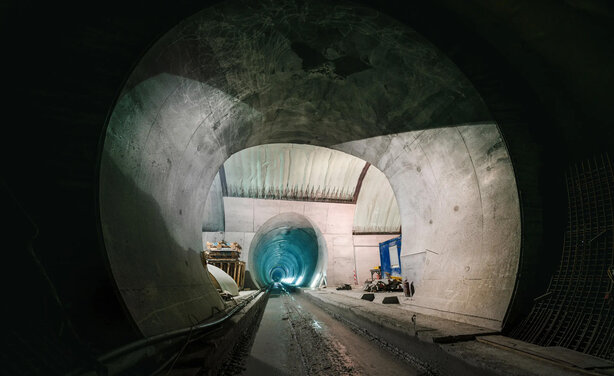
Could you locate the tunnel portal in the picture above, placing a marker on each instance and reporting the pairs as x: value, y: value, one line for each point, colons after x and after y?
x: 288, y: 249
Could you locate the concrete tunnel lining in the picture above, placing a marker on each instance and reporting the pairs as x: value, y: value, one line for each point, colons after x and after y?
x: 212, y: 86
x: 302, y: 255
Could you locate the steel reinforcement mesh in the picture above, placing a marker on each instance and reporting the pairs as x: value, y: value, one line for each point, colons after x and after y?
x: 577, y: 311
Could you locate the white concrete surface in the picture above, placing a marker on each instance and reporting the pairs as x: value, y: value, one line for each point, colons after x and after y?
x: 460, y: 211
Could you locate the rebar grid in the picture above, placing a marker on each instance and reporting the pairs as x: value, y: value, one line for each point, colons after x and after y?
x: 577, y: 312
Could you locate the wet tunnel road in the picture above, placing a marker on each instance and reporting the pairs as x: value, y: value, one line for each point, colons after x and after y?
x: 295, y: 337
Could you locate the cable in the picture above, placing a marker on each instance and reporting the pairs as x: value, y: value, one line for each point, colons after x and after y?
x: 190, y: 332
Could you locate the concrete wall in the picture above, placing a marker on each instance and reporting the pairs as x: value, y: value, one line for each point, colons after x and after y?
x: 460, y: 215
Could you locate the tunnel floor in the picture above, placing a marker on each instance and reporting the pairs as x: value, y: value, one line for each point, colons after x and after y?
x: 295, y: 337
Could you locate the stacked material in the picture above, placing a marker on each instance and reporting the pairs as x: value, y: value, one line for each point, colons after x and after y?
x: 222, y: 250
x: 226, y: 257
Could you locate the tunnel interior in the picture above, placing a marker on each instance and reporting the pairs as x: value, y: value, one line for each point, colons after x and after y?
x: 553, y: 107
x: 200, y: 95
x: 286, y: 255
x: 288, y: 249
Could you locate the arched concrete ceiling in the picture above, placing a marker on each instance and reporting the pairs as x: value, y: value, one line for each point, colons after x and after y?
x: 247, y: 73
x: 296, y: 67
x: 460, y: 215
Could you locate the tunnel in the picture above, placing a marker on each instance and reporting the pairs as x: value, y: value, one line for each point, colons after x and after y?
x: 491, y: 124
x: 290, y: 250
x: 172, y: 129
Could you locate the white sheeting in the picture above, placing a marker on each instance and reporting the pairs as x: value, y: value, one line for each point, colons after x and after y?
x: 280, y: 167
x: 281, y: 170
x: 376, y: 207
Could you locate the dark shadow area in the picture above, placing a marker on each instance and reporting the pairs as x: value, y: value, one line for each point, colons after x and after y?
x: 180, y: 293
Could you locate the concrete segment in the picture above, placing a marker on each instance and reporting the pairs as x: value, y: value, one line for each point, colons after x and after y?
x: 239, y: 216
x: 340, y: 218
x: 460, y: 213
x: 263, y: 211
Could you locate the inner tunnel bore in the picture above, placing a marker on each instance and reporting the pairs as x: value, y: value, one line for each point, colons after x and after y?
x: 288, y: 249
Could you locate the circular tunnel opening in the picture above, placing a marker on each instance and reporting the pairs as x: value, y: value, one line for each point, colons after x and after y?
x: 277, y: 274
x: 289, y: 249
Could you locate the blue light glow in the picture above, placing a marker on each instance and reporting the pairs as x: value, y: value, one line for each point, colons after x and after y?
x: 286, y: 254
x: 288, y: 249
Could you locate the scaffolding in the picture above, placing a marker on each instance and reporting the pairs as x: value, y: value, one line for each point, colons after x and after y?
x: 226, y: 257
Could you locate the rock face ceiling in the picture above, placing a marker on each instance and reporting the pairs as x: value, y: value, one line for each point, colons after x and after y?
x: 243, y: 74
x: 343, y: 69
